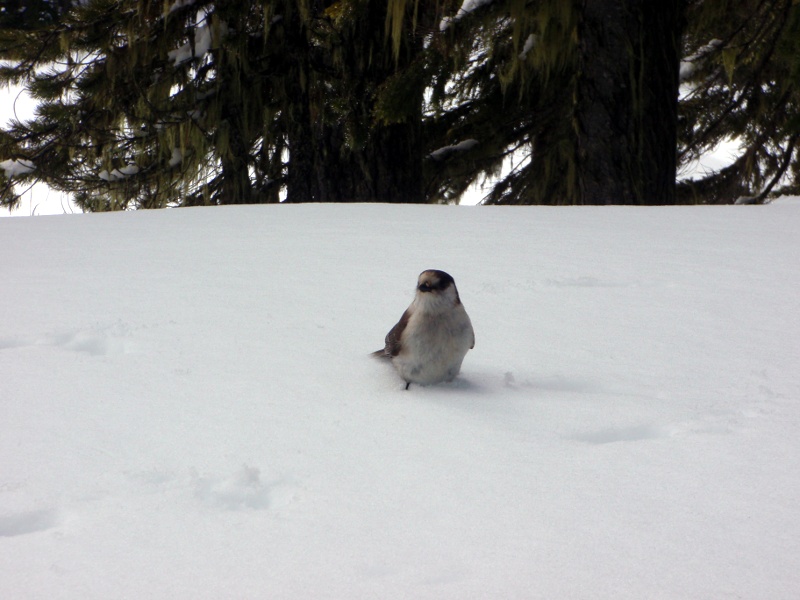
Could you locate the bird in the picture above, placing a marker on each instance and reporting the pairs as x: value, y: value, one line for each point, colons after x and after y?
x: 429, y: 342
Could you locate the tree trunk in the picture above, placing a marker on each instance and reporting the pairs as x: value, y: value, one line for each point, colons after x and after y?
x: 336, y: 171
x: 397, y: 164
x: 301, y: 180
x: 361, y: 158
x: 386, y: 168
x: 627, y: 101
x: 236, y: 185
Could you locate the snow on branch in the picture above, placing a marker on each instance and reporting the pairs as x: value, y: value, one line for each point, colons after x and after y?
x: 467, y: 6
x: 202, y: 44
x: 176, y: 158
x: 443, y: 153
x: 529, y: 43
x: 118, y: 174
x: 688, y: 64
x: 14, y: 168
x: 178, y: 4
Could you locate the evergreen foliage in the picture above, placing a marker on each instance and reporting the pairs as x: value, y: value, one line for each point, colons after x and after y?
x: 142, y: 104
x: 149, y: 104
x: 742, y: 71
x: 154, y: 103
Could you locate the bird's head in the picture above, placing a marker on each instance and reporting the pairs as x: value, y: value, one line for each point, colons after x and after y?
x: 436, y: 290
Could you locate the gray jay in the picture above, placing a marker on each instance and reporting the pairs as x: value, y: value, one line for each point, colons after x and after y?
x: 432, y: 337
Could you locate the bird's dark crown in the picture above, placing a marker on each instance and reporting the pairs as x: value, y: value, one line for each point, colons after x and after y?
x: 434, y: 280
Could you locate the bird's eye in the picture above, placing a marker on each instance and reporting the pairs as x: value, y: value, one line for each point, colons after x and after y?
x: 424, y: 287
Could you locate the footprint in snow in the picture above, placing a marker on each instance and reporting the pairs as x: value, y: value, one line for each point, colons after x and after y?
x: 611, y: 435
x: 111, y: 341
x: 244, y: 489
x: 23, y: 523
x: 104, y: 342
x: 9, y: 343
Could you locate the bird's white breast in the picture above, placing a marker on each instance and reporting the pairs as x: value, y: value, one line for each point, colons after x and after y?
x: 434, y: 345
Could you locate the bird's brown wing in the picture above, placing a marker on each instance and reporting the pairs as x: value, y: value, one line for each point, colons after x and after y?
x: 393, y: 345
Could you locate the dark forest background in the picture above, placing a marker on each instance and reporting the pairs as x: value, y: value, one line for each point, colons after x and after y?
x: 148, y: 104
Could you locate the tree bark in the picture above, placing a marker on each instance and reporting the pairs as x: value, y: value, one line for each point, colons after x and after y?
x: 360, y: 158
x: 236, y: 185
x: 627, y: 101
x: 302, y: 184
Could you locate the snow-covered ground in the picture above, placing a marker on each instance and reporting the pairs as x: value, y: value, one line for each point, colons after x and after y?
x: 190, y: 411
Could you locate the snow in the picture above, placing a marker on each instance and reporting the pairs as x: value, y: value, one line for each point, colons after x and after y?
x: 529, y: 43
x: 178, y: 4
x: 202, y: 44
x: 467, y: 6
x: 176, y: 158
x: 15, y: 168
x: 190, y: 409
x: 686, y: 71
x: 463, y: 146
x: 689, y: 64
x: 117, y: 174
